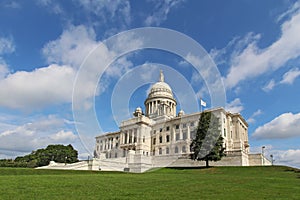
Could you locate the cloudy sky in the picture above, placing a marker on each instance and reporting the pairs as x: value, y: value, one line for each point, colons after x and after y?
x: 62, y: 62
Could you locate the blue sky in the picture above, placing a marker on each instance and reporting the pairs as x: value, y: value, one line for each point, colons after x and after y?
x: 45, y: 44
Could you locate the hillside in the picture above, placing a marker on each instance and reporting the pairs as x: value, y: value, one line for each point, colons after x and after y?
x: 276, y: 182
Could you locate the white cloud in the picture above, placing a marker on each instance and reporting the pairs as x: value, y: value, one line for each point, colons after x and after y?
x: 53, y: 85
x: 286, y: 125
x: 71, y: 48
x: 11, y: 5
x: 290, y: 76
x: 52, y: 6
x: 235, y: 106
x: 269, y: 86
x: 36, y: 134
x: 162, y: 9
x: 288, y: 157
x: 3, y: 69
x: 289, y: 12
x: 253, y: 61
x: 6, y: 45
x: 63, y: 136
x: 251, y: 119
x: 41, y: 87
x: 116, y: 10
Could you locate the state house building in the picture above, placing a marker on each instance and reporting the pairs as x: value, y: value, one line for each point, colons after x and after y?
x: 161, y: 137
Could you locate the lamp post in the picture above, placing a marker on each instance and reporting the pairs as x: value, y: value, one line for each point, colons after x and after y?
x: 66, y: 160
x: 262, y: 153
x: 272, y: 161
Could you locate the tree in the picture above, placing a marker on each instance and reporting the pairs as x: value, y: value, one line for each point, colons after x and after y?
x: 208, y: 143
x: 57, y: 153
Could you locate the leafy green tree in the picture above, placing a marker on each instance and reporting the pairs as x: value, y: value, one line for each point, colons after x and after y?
x: 57, y: 153
x: 208, y: 143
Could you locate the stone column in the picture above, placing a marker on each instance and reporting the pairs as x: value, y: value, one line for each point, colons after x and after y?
x: 127, y: 137
x: 121, y: 138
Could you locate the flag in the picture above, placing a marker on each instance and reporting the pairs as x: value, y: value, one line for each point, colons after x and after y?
x: 202, y: 103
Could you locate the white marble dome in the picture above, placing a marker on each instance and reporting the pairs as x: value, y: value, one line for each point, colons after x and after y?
x: 161, y: 89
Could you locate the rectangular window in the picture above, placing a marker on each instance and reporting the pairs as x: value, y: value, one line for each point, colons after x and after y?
x: 177, y: 126
x: 177, y: 136
x: 192, y: 123
x: 224, y: 132
x: 160, y: 139
x: 160, y: 130
x: 184, y: 125
x: 168, y: 128
x: 184, y: 135
x: 167, y: 138
x: 154, y: 141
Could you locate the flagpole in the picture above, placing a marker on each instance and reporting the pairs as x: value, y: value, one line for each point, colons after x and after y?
x: 200, y: 105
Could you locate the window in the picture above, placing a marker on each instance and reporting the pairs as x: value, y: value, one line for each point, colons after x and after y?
x: 154, y: 152
x: 117, y: 145
x: 125, y: 135
x: 167, y: 150
x: 224, y: 132
x: 184, y: 125
x: 183, y: 149
x: 160, y: 139
x: 177, y: 136
x: 154, y: 132
x: 168, y: 128
x: 192, y: 123
x: 177, y: 126
x: 192, y: 134
x: 154, y: 141
x: 176, y: 149
x: 184, y: 135
x: 124, y: 152
x: 160, y: 151
x: 160, y: 130
x: 143, y: 139
x: 116, y: 155
x: 168, y: 138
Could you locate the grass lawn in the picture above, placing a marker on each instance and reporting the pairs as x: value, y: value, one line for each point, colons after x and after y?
x: 212, y: 183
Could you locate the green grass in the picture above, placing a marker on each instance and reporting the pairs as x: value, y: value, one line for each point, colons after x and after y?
x: 212, y: 183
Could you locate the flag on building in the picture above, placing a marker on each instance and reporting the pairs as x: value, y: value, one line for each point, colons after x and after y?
x: 202, y: 103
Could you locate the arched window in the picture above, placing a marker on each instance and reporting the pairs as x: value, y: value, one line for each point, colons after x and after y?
x: 176, y: 149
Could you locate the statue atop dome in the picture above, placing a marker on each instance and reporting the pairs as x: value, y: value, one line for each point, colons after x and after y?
x: 161, y: 76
